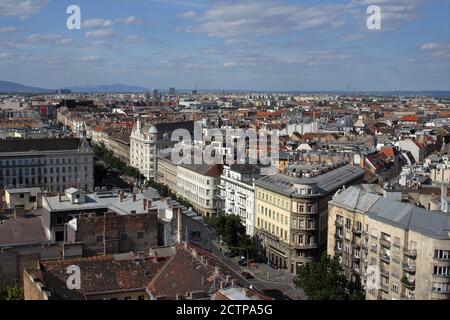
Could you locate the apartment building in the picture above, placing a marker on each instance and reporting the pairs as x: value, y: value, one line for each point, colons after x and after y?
x: 166, y: 170
x: 292, y: 214
x: 52, y: 164
x: 237, y: 193
x: 147, y: 140
x: 197, y: 183
x: 397, y: 250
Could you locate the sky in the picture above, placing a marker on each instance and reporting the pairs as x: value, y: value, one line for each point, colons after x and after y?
x: 228, y: 44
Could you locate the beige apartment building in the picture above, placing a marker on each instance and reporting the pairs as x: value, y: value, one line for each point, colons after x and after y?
x: 397, y: 250
x: 291, y: 216
x: 166, y: 170
x: 197, y: 183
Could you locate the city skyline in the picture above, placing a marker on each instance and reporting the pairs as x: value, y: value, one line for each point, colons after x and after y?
x: 253, y: 45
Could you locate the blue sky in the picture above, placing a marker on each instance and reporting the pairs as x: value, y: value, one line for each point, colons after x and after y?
x: 228, y: 44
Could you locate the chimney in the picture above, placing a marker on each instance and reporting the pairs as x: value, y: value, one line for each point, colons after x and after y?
x: 144, y: 201
x: 134, y: 197
x: 121, y: 196
x: 60, y: 197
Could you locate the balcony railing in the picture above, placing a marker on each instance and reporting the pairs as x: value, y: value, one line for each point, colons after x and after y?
x: 408, y: 283
x: 357, y: 232
x: 411, y: 268
x: 385, y: 243
x: 338, y: 236
x: 410, y: 253
x: 385, y: 257
x: 384, y: 288
x: 384, y: 272
x: 338, y: 224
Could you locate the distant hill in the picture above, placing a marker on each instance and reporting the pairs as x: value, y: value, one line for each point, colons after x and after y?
x: 12, y: 87
x: 117, y: 88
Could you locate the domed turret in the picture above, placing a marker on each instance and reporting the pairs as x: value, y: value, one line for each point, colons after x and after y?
x: 152, y: 130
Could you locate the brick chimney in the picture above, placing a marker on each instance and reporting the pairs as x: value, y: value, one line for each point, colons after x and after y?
x: 121, y: 196
x: 59, y: 197
x: 134, y: 197
x: 144, y: 202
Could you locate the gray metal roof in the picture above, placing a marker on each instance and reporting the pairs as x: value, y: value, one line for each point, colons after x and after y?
x: 435, y: 224
x: 326, y: 182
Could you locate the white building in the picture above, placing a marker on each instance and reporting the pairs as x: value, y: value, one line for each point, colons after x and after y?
x: 52, y: 164
x: 237, y: 193
x: 198, y: 185
x: 147, y: 140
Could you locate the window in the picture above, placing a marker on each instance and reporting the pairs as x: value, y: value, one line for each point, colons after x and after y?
x: 442, y: 271
x: 442, y: 254
x: 59, y: 220
x: 140, y: 235
x: 441, y: 287
x: 99, y: 238
x: 123, y: 236
x: 21, y: 196
x: 394, y: 288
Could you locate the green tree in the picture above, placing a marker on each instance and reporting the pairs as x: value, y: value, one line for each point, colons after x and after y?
x: 11, y: 293
x: 323, y: 280
x: 233, y: 233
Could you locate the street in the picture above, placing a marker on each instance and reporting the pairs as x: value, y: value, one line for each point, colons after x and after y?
x: 275, y: 283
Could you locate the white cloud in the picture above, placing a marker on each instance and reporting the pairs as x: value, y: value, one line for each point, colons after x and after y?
x: 48, y: 38
x: 8, y: 29
x: 97, y: 23
x: 354, y: 37
x: 21, y: 8
x: 189, y: 14
x: 431, y: 46
x: 438, y: 49
x: 87, y: 59
x: 5, y: 55
x: 250, y: 18
x: 129, y: 20
x: 100, y: 34
x: 134, y: 38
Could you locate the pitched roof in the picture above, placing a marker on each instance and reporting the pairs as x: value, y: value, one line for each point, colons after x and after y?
x: 101, y: 274
x: 326, y: 182
x: 28, y: 145
x: 435, y: 224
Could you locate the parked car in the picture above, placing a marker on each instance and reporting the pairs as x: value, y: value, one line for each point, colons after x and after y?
x: 247, y: 275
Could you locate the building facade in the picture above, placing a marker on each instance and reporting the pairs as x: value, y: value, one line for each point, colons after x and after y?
x: 237, y: 193
x: 397, y: 251
x: 291, y: 214
x: 52, y: 164
x: 198, y: 185
x: 147, y: 140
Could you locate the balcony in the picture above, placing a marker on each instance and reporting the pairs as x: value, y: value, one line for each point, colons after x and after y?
x: 357, y: 232
x: 410, y: 253
x: 384, y: 287
x: 337, y: 250
x: 408, y: 283
x: 405, y: 297
x: 384, y: 257
x: 364, y: 246
x: 306, y: 247
x: 385, y: 243
x: 410, y: 268
x: 338, y: 236
x: 338, y: 224
x: 365, y: 234
x: 384, y: 272
x: 355, y: 258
